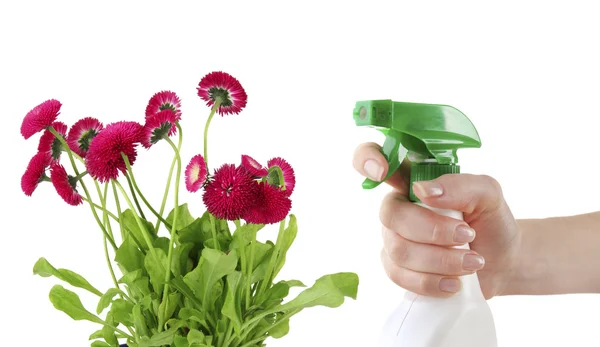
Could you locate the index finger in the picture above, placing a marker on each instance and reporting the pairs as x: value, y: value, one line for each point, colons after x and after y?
x: 370, y: 162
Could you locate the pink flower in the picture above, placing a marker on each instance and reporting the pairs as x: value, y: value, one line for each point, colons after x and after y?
x: 157, y: 127
x: 288, y: 173
x: 35, y: 172
x: 230, y: 193
x: 224, y: 86
x: 103, y: 160
x: 164, y: 100
x: 270, y: 205
x: 81, y: 135
x: 64, y: 185
x: 40, y: 117
x: 253, y: 167
x: 49, y: 143
x: 195, y: 173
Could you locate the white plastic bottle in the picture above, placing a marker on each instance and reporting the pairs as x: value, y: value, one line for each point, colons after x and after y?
x: 462, y: 320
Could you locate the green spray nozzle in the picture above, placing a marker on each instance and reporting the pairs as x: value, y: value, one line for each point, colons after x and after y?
x: 428, y: 134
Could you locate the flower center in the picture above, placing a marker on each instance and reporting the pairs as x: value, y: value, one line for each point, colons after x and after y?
x: 160, y: 132
x: 216, y: 92
x: 86, y: 138
x: 167, y: 106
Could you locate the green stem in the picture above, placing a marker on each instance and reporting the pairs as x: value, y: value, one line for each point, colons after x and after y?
x: 164, y: 200
x: 131, y: 180
x: 210, y: 117
x: 80, y: 176
x: 110, y: 214
x: 108, y: 226
x: 213, y: 229
x: 137, y: 203
x: 250, y: 270
x: 119, y: 212
x: 228, y: 334
x: 87, y: 193
x: 138, y: 220
x: 266, y: 282
x: 173, y: 228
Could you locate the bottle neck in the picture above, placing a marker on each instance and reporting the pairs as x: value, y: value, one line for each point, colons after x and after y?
x: 425, y: 171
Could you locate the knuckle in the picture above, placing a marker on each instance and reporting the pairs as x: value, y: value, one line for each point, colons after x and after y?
x: 492, y: 184
x: 399, y: 250
x: 388, y: 212
x: 438, y: 234
x: 427, y: 284
x: 449, y: 263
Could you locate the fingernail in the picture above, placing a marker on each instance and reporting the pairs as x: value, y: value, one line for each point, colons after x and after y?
x: 374, y: 170
x: 472, y: 262
x: 464, y: 234
x: 428, y: 189
x: 451, y: 285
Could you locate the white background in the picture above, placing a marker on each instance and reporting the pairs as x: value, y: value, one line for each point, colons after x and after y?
x: 526, y: 73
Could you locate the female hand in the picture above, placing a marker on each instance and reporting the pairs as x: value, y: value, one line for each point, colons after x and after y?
x: 418, y: 253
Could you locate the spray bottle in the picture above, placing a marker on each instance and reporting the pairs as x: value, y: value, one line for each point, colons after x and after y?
x: 428, y: 136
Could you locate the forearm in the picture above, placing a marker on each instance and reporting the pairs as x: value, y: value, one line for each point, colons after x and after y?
x: 558, y: 256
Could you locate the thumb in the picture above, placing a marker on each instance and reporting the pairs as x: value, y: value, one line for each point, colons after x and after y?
x: 462, y: 192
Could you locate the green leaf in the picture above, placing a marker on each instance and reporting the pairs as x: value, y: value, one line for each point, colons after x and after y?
x: 232, y: 308
x: 129, y: 222
x: 180, y: 284
x: 184, y: 217
x: 122, y: 311
x: 288, y: 238
x: 43, y: 268
x: 162, y: 243
x: 163, y: 338
x: 130, y: 277
x: 328, y: 291
x: 181, y: 341
x: 129, y: 256
x: 213, y: 266
x: 195, y: 337
x: 96, y: 335
x: 100, y: 344
x: 106, y: 299
x: 139, y: 322
x: 181, y: 264
x: 156, y: 268
x: 69, y: 302
x: 108, y: 332
x: 141, y: 287
x: 280, y: 329
x: 294, y: 283
x: 166, y: 309
x: 187, y: 314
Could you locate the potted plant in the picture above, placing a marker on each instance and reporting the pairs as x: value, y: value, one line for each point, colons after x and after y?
x: 179, y: 279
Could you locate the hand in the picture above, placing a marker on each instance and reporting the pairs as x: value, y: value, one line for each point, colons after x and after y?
x: 418, y: 253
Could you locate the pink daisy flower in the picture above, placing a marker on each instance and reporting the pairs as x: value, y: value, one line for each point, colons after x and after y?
x: 270, y: 205
x: 222, y: 85
x: 230, y: 193
x: 40, y: 117
x: 81, y: 135
x: 49, y: 143
x: 158, y: 126
x: 65, y: 185
x: 35, y: 172
x: 288, y: 173
x: 196, y: 173
x: 103, y: 160
x: 164, y: 100
x: 253, y: 167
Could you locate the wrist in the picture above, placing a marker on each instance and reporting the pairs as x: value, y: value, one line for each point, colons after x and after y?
x: 529, y: 267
